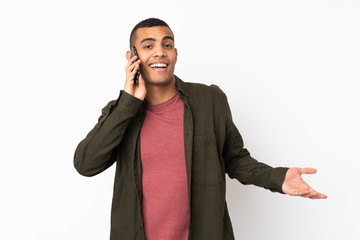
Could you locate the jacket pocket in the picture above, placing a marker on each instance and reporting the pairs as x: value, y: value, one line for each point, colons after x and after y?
x: 206, y: 161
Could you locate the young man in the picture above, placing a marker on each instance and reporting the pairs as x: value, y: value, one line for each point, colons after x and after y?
x: 172, y: 143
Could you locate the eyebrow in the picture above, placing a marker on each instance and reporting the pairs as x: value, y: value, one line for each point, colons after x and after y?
x: 153, y: 39
x: 168, y: 37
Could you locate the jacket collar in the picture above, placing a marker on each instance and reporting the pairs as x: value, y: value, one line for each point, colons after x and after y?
x: 181, y: 86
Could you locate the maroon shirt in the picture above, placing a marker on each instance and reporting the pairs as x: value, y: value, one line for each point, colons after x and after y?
x: 165, y: 207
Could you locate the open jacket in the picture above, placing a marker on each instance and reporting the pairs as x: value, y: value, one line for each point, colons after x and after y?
x: 213, y: 147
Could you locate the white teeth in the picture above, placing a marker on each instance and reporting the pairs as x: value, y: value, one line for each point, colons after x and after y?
x: 158, y: 65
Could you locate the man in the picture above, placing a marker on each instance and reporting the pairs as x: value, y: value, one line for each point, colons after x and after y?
x: 172, y: 143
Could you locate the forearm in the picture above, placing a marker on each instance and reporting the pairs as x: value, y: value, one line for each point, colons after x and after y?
x: 93, y: 154
x: 249, y: 171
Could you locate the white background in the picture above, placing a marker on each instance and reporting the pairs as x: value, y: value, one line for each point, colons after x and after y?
x: 290, y: 70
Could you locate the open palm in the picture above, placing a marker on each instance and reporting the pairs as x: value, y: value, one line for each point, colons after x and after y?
x: 294, y: 185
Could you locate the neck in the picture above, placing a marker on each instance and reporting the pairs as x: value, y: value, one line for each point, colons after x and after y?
x: 156, y: 94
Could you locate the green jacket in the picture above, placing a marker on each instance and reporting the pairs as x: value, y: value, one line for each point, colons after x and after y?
x: 213, y: 147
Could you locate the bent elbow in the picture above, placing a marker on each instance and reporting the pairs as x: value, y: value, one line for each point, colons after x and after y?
x: 81, y: 165
x: 81, y: 168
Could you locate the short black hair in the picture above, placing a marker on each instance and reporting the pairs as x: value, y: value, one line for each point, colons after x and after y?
x: 150, y: 22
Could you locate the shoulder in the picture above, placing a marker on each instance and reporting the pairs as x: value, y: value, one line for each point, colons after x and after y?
x: 212, y: 91
x: 204, y: 98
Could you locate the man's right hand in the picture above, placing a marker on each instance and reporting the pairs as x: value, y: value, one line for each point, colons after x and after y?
x: 136, y: 90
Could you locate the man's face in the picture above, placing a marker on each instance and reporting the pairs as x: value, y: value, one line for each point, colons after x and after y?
x: 155, y: 48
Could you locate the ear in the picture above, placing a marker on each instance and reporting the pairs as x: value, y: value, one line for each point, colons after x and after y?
x: 176, y: 54
x: 128, y: 53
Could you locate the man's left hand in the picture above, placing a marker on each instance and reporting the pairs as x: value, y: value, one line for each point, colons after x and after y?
x: 294, y: 185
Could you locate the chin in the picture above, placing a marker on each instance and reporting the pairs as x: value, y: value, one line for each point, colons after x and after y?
x: 160, y: 81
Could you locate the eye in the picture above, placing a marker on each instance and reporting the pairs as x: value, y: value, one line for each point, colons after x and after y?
x: 168, y: 46
x: 147, y: 46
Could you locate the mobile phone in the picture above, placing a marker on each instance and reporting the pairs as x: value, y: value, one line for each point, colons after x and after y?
x: 137, y: 75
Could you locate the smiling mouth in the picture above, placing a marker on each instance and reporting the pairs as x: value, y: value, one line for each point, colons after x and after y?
x: 158, y: 65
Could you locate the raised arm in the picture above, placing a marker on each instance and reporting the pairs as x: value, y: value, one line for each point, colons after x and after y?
x: 93, y: 154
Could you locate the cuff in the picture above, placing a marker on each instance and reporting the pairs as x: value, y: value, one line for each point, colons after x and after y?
x: 128, y: 103
x: 276, y: 179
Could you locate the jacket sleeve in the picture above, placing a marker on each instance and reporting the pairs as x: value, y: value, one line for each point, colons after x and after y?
x: 240, y: 165
x: 93, y: 154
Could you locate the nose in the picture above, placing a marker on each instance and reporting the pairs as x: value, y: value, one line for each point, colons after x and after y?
x: 159, y: 52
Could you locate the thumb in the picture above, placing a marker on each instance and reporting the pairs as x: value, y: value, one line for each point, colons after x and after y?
x: 308, y: 170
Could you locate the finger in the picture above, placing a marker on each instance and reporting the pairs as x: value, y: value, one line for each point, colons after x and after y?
x: 308, y: 170
x: 141, y: 80
x: 323, y: 196
x: 133, y: 67
x: 133, y: 59
x: 310, y: 194
x: 136, y: 67
x: 317, y: 195
x: 314, y: 194
x: 303, y: 192
x: 131, y: 63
